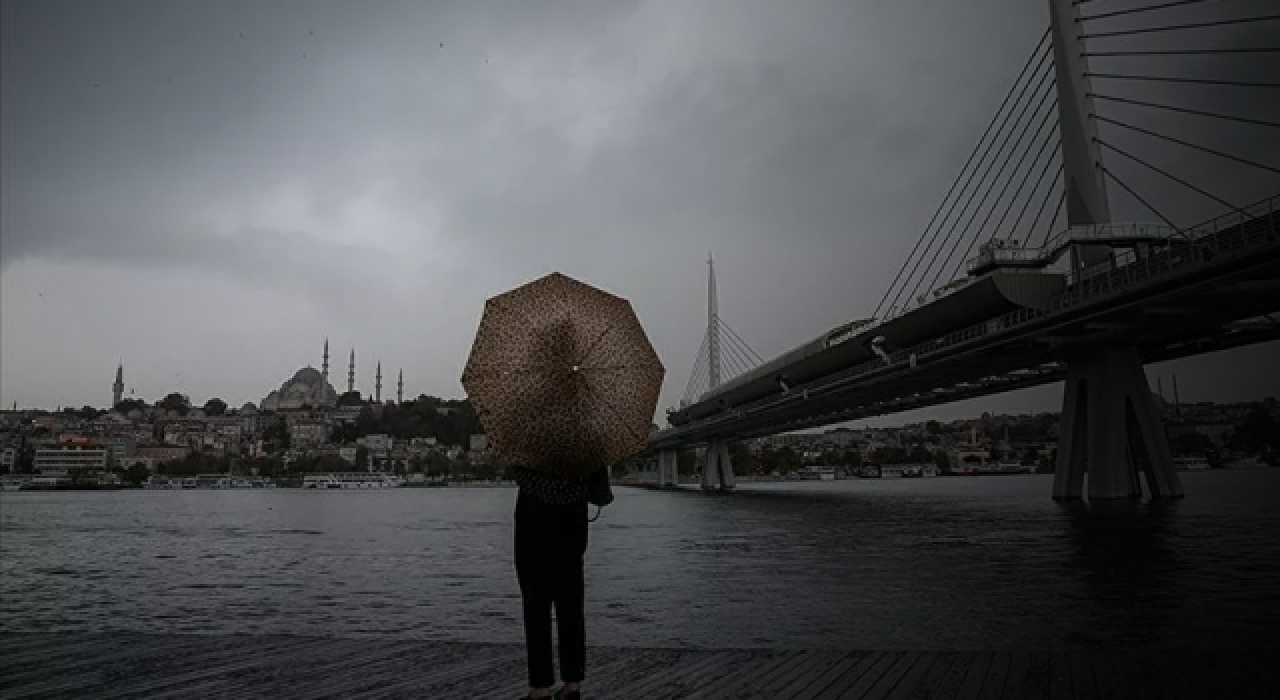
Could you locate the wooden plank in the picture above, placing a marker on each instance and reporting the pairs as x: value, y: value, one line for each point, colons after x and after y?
x: 921, y: 684
x: 993, y: 684
x: 1106, y: 677
x: 451, y: 680
x: 892, y: 677
x: 1149, y: 673
x: 836, y: 687
x: 1264, y: 667
x: 859, y: 688
x: 688, y: 664
x: 795, y: 686
x: 1015, y: 682
x: 1083, y: 685
x: 1234, y: 678
x: 706, y: 684
x: 653, y: 662
x: 1182, y: 666
x: 764, y: 668
x: 1059, y: 676
x: 812, y: 663
x: 1038, y: 677
x: 954, y: 678
x: 109, y: 684
x: 87, y: 660
x: 832, y: 676
x: 977, y: 675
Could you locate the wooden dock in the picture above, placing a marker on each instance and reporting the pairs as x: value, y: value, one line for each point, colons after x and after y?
x: 114, y: 666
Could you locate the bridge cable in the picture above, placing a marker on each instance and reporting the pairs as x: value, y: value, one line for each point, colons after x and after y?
x: 1004, y: 120
x: 1138, y: 197
x: 1057, y: 211
x: 1134, y: 10
x: 983, y: 226
x: 731, y: 356
x: 1182, y: 52
x: 702, y: 384
x: 750, y: 352
x: 744, y: 362
x: 735, y: 355
x: 994, y: 118
x: 982, y: 202
x: 1031, y: 195
x: 1187, y: 144
x: 1215, y: 115
x: 1046, y: 77
x: 1180, y: 27
x: 747, y: 349
x: 1047, y: 81
x: 1169, y: 175
x: 695, y: 387
x: 1188, y: 81
x: 739, y: 368
x: 701, y: 359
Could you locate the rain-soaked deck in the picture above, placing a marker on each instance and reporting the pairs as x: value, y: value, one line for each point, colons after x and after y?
x: 129, y: 665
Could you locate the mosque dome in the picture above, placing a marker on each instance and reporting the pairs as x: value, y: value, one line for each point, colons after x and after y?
x: 307, y: 388
x: 307, y: 375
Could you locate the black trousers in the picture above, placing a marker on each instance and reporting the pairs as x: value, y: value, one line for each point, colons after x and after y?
x: 550, y: 543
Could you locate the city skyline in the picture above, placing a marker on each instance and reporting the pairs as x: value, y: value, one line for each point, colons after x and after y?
x: 218, y: 195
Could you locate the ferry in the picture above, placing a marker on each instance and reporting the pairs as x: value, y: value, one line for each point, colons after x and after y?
x: 1190, y: 464
x: 11, y: 483
x: 352, y: 480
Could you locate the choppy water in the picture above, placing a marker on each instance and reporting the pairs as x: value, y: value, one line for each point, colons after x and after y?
x: 950, y: 563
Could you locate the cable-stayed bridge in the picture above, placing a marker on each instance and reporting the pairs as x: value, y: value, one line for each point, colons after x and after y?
x: 1058, y: 289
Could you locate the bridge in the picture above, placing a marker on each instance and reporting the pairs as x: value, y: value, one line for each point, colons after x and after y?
x: 1089, y: 305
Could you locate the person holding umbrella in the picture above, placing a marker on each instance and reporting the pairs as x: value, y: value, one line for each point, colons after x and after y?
x: 565, y: 383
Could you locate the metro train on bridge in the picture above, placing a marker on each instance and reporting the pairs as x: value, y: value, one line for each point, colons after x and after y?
x: 956, y: 306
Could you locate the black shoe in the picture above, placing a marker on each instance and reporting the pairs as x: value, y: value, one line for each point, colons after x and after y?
x: 561, y: 694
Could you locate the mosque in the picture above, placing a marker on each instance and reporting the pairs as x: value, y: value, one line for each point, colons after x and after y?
x: 311, y: 388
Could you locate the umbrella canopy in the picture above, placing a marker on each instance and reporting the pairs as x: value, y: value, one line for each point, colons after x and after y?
x: 563, y: 377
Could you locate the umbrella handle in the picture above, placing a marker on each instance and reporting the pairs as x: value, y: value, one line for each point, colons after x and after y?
x: 598, y: 511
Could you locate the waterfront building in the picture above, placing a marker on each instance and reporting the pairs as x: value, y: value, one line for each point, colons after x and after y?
x: 308, y: 434
x: 159, y: 454
x: 8, y: 460
x: 71, y: 459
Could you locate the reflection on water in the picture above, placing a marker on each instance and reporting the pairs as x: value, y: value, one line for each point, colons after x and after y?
x: 979, y: 563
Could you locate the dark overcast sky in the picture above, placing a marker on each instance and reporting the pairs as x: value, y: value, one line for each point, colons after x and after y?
x: 207, y: 190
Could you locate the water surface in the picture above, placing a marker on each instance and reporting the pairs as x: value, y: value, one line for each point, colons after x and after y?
x: 947, y: 563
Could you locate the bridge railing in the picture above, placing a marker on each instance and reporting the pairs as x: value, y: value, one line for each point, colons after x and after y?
x: 1100, y: 234
x: 1229, y: 235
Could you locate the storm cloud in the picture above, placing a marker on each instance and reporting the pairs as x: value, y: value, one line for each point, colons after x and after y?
x: 207, y: 191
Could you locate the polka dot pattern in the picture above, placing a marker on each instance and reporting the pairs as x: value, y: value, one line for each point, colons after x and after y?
x: 563, y: 377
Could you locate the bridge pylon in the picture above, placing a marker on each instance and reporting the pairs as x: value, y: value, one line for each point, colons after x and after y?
x: 1111, y: 429
x: 717, y: 466
x: 668, y: 468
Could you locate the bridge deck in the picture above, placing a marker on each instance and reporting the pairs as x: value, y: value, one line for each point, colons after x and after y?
x: 129, y: 665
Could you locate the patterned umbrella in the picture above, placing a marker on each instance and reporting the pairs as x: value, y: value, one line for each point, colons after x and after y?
x: 563, y: 377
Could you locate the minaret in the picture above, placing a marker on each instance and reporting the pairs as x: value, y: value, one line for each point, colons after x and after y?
x: 713, y: 330
x: 400, y: 387
x: 324, y: 368
x: 117, y: 389
x: 377, y: 384
x: 351, y: 372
